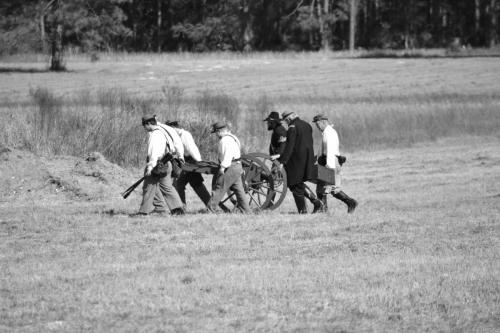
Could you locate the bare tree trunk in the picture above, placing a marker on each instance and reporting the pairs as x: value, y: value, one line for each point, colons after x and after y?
x: 493, y: 23
x: 477, y: 20
x: 352, y: 25
x: 323, y: 23
x: 56, y: 63
x: 42, y: 25
x: 158, y: 25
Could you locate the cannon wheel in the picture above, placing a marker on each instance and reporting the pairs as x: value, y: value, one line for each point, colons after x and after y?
x: 279, y: 179
x: 263, y: 182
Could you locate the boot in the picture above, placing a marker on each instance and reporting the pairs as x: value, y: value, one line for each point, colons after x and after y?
x: 320, y: 207
x: 177, y: 211
x: 317, y: 204
x: 350, y: 202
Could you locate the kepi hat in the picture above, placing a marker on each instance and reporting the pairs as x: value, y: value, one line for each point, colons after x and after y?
x: 147, y: 117
x: 172, y: 123
x: 217, y: 126
x: 319, y: 117
x: 273, y: 116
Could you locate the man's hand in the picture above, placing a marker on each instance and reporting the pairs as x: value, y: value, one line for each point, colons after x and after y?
x: 147, y: 171
x: 275, y: 157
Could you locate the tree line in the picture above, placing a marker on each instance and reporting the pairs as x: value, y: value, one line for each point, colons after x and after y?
x: 244, y: 25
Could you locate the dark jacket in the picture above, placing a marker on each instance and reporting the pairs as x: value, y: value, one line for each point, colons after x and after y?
x: 298, y: 156
x: 278, y: 140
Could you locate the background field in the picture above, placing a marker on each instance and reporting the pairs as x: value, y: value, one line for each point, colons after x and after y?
x: 420, y: 253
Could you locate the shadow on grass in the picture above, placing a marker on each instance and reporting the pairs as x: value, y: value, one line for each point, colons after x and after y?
x: 29, y: 70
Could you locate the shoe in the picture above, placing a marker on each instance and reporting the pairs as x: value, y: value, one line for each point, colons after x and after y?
x: 138, y: 214
x: 318, y: 206
x: 177, y: 211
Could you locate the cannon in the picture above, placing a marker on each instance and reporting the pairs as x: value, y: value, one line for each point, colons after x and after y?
x: 263, y: 180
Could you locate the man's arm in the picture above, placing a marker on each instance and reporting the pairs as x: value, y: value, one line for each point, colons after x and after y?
x: 291, y: 136
x: 281, y: 140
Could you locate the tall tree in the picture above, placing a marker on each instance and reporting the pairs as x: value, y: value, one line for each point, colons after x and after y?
x: 352, y: 24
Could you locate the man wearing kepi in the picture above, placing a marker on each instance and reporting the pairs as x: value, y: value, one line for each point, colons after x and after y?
x: 329, y: 156
x: 191, y: 155
x: 161, y: 143
x: 230, y: 170
x: 298, y: 157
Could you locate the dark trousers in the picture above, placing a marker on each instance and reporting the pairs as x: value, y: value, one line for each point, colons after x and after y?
x: 196, y: 181
x: 298, y: 191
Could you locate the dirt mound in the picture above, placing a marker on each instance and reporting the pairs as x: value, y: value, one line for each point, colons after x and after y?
x: 24, y: 175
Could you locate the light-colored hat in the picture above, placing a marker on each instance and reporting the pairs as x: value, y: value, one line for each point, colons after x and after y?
x: 287, y: 114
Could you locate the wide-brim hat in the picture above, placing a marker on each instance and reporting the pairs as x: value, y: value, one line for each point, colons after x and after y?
x: 319, y: 117
x: 273, y: 116
x: 217, y: 126
x: 287, y: 114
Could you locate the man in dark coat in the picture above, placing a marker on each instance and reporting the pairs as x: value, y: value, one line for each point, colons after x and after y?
x: 278, y: 137
x: 298, y: 158
x: 277, y: 147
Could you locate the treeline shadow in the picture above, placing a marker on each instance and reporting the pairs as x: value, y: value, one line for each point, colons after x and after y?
x: 22, y: 70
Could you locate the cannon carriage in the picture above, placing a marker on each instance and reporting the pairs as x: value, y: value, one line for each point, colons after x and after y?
x: 263, y: 180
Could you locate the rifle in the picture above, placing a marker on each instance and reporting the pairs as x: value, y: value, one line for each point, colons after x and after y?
x: 127, y: 192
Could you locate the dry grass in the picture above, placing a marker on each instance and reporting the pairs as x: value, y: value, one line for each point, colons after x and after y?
x: 420, y: 254
x: 373, y: 102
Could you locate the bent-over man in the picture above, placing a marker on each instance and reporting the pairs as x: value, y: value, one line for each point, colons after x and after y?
x: 230, y: 170
x: 328, y: 156
x: 160, y: 143
x: 191, y: 155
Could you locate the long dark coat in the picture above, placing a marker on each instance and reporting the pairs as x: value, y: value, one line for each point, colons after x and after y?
x: 298, y: 156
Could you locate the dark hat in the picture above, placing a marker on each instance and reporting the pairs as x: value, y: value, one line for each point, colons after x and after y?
x: 286, y: 114
x: 148, y: 117
x: 319, y: 117
x: 273, y: 116
x: 217, y: 126
x: 172, y: 123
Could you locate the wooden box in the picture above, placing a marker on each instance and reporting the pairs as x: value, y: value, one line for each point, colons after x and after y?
x: 324, y: 174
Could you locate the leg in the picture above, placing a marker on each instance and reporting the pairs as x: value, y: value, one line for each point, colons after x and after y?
x: 170, y: 195
x: 241, y: 197
x: 320, y: 192
x: 309, y: 194
x: 220, y: 185
x: 298, y: 191
x: 180, y: 185
x: 350, y: 202
x: 196, y: 182
x: 149, y: 188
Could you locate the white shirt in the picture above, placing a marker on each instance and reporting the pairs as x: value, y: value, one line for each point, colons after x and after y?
x: 330, y: 146
x: 173, y: 140
x: 157, y: 144
x: 229, y: 150
x: 190, y: 147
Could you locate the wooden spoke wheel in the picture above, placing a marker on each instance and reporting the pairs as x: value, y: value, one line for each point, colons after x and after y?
x: 263, y: 180
x: 275, y: 176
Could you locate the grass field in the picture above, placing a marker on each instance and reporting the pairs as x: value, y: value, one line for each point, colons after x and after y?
x: 421, y: 252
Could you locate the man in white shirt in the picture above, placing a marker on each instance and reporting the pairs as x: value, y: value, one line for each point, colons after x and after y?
x: 191, y: 155
x: 160, y: 143
x: 328, y: 156
x: 230, y: 170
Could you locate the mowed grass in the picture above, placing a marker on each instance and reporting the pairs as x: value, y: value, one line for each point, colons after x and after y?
x: 421, y: 253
